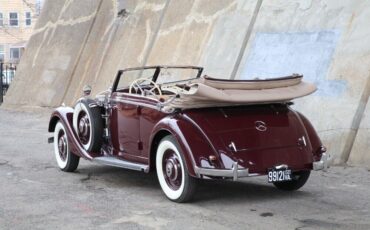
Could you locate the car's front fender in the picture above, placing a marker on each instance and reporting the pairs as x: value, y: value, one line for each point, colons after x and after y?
x: 65, y: 116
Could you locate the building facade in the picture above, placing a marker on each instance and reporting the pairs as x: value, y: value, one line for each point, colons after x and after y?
x: 17, y: 19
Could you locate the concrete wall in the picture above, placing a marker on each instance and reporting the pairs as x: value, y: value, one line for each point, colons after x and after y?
x: 84, y: 42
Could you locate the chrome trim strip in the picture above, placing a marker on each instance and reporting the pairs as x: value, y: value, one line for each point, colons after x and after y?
x: 283, y: 166
x: 111, y: 161
x: 136, y: 103
x: 158, y: 107
x: 323, y: 164
x: 233, y: 147
x: 304, y: 141
x: 124, y: 96
x: 234, y: 173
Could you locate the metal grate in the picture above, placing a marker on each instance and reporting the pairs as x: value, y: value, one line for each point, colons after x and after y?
x: 7, y: 72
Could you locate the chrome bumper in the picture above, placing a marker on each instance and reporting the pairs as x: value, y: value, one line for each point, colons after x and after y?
x: 323, y: 164
x: 234, y: 172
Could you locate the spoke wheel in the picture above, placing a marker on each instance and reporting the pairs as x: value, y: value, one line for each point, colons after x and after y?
x: 66, y: 160
x: 172, y: 171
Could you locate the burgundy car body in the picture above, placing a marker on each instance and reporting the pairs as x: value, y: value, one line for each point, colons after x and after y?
x: 256, y: 137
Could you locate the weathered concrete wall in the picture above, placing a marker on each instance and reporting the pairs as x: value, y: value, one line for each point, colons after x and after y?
x: 84, y: 42
x: 326, y: 41
x: 360, y: 152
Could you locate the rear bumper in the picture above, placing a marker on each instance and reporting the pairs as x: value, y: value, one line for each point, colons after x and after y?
x: 235, y: 172
x: 323, y: 164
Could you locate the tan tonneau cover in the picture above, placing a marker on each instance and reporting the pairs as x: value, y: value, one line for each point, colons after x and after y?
x: 210, y: 92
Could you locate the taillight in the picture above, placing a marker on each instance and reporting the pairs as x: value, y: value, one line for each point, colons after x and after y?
x: 318, y: 153
x: 323, y: 149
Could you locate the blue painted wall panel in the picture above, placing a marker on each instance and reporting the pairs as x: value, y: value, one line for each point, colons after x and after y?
x: 307, y: 53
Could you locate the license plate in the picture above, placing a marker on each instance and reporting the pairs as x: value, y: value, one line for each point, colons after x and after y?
x: 279, y: 175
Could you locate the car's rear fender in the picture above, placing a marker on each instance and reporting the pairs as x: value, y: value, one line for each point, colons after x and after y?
x: 194, y: 145
x: 65, y: 116
x: 314, y: 139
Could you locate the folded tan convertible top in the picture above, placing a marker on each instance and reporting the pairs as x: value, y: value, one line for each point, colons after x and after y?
x: 211, y: 92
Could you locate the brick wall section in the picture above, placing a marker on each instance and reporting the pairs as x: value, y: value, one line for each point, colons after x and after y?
x: 16, y: 36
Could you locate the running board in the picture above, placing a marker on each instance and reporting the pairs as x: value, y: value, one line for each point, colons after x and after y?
x: 112, y: 161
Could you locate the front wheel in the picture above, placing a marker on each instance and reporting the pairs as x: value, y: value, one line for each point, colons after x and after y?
x: 66, y: 160
x: 172, y: 172
x: 298, y: 180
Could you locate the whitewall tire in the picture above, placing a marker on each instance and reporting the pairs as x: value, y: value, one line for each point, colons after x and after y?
x: 172, y: 171
x: 66, y: 160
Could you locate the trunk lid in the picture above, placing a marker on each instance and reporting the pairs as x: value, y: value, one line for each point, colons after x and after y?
x: 258, y: 136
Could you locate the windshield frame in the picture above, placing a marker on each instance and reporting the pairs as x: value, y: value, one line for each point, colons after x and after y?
x: 156, y: 73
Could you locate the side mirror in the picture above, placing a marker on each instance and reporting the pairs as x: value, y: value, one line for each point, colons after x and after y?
x: 86, y: 90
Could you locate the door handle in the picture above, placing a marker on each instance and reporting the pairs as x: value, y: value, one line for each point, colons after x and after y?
x: 138, y: 109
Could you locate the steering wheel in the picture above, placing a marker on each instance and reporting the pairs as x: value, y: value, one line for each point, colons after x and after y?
x: 136, y: 84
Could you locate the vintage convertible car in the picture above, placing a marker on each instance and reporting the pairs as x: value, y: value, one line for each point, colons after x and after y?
x: 186, y: 127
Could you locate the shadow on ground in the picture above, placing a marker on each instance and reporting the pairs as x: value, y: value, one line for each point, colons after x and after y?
x: 208, y: 190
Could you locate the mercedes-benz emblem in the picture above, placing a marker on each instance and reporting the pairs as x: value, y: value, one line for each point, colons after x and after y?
x: 260, y: 126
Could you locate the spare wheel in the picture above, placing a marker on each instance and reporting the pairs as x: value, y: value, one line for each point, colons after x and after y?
x: 88, y: 125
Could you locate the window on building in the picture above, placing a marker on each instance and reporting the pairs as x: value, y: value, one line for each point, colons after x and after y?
x: 13, y: 19
x: 15, y: 53
x: 2, y: 53
x: 1, y: 19
x: 28, y: 19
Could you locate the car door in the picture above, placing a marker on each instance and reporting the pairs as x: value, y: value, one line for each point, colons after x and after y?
x: 127, y: 101
x: 125, y: 127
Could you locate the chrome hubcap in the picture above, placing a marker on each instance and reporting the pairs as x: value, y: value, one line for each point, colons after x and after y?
x: 172, y: 170
x: 62, y: 146
x: 84, y: 128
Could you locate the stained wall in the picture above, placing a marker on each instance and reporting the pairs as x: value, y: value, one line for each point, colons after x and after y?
x: 87, y: 41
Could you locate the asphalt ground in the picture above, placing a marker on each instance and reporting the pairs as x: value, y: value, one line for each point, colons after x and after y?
x: 35, y: 194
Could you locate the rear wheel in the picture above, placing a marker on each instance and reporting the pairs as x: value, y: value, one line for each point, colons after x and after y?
x: 66, y: 160
x: 298, y: 180
x: 88, y: 124
x: 172, y: 171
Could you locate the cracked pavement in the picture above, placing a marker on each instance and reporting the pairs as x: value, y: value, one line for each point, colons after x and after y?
x: 36, y: 194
